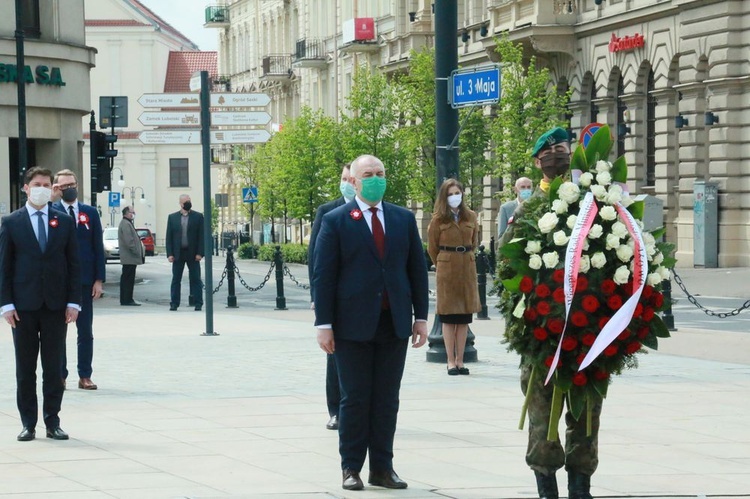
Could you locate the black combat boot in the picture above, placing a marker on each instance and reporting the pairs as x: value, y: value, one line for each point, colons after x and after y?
x: 579, y: 485
x: 546, y: 485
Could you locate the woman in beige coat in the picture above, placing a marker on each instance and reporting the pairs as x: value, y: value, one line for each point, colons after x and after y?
x: 453, y: 237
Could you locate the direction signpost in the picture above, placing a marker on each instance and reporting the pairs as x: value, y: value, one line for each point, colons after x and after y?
x: 193, y: 118
x: 188, y: 100
x: 152, y: 137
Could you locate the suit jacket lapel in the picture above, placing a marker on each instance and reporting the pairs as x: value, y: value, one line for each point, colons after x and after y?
x: 361, y: 227
x: 52, y: 232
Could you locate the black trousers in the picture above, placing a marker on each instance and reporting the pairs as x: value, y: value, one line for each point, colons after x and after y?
x: 85, y: 335
x: 127, y: 283
x: 194, y: 274
x: 370, y: 379
x: 39, y: 330
x: 333, y: 393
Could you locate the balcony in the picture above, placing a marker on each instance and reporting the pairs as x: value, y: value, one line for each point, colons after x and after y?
x: 217, y: 16
x: 277, y: 68
x: 310, y: 53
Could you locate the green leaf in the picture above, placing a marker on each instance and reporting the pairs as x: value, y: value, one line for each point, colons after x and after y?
x: 651, y: 342
x: 601, y: 386
x: 513, y: 285
x: 658, y: 327
x: 659, y: 233
x: 599, y: 146
x: 576, y: 401
x: 620, y: 170
x: 578, y: 160
x: 513, y: 249
x: 554, y: 187
x: 636, y: 209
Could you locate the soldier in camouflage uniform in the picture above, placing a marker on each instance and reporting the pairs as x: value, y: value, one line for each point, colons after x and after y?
x: 580, y: 455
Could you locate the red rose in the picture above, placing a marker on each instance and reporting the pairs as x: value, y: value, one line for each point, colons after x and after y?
x: 603, y: 322
x: 590, y: 303
x: 627, y: 288
x: 543, y: 308
x: 610, y: 351
x: 579, y: 319
x: 632, y: 347
x: 583, y: 283
x: 579, y: 379
x: 608, y: 286
x: 614, y: 302
x: 526, y: 284
x: 648, y: 314
x: 558, y: 276
x: 569, y: 344
x: 542, y: 290
x: 559, y: 295
x: 638, y: 310
x: 624, y: 335
x: 548, y: 361
x: 643, y: 332
x: 648, y: 291
x: 530, y: 314
x: 658, y: 299
x: 580, y: 358
x: 600, y: 375
x: 588, y: 339
x: 555, y: 325
x: 540, y: 333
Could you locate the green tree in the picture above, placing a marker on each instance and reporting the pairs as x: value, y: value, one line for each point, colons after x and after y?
x: 473, y: 163
x: 529, y: 106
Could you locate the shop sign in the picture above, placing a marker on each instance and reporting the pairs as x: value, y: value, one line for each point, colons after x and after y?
x: 617, y: 44
x: 41, y: 75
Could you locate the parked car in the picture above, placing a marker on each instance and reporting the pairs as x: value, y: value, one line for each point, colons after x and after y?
x: 147, y: 237
x: 111, y: 244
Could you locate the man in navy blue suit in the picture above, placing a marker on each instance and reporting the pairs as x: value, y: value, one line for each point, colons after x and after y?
x: 370, y: 281
x: 333, y: 394
x: 40, y: 294
x: 91, y: 251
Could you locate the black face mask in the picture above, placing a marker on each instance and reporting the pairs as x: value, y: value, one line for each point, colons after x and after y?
x: 187, y: 205
x: 555, y: 164
x: 70, y: 194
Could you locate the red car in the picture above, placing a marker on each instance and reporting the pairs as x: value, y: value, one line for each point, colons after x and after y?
x: 148, y: 240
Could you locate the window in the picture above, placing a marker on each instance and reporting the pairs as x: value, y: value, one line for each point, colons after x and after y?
x: 650, y: 131
x: 30, y: 18
x: 178, y: 172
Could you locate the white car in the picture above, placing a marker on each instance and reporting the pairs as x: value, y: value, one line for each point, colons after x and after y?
x: 111, y: 244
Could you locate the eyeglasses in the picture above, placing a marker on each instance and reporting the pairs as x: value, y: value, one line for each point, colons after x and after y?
x: 68, y: 186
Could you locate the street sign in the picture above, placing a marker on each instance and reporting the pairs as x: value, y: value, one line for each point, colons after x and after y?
x: 189, y: 100
x: 170, y: 137
x: 113, y: 112
x: 474, y: 87
x: 240, y: 118
x: 165, y: 118
x: 250, y: 194
x: 239, y: 136
x: 114, y: 199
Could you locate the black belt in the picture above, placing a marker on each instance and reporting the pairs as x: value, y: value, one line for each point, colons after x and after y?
x: 457, y: 249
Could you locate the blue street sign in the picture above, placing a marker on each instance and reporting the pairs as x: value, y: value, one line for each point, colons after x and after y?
x: 250, y: 194
x: 475, y: 86
x: 114, y: 199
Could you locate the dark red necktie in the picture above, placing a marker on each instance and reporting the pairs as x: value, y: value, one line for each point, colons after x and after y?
x: 379, y: 235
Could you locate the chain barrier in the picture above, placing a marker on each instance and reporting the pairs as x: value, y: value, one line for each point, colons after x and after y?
x: 218, y: 286
x: 694, y: 301
x: 294, y: 279
x: 265, y: 279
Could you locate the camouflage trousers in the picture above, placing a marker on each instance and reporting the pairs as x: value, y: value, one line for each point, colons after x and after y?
x: 545, y: 456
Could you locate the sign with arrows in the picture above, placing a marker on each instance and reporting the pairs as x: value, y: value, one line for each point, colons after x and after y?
x: 170, y: 137
x: 239, y: 136
x: 193, y: 118
x: 240, y: 118
x: 189, y: 100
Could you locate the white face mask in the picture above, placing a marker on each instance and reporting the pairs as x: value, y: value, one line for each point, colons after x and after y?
x: 454, y: 201
x: 39, y: 195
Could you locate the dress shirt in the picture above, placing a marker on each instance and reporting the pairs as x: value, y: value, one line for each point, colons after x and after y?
x: 76, y: 210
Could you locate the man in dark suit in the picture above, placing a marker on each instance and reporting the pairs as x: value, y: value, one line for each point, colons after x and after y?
x: 40, y: 294
x: 333, y: 394
x: 91, y: 253
x: 370, y: 278
x: 185, y: 247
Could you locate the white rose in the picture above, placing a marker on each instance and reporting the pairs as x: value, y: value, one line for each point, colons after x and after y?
x: 626, y: 200
x: 571, y: 222
x: 598, y: 260
x: 613, y: 197
x: 622, y: 274
x: 533, y: 247
x: 559, y: 206
x: 560, y: 238
x: 535, y: 262
x: 603, y: 166
x: 596, y: 231
x: 613, y: 242
x: 664, y: 273
x: 653, y: 279
x: 619, y: 229
x: 551, y: 259
x: 569, y: 192
x: 648, y: 238
x: 547, y: 222
x: 585, y: 264
x: 658, y: 258
x: 603, y: 178
x: 585, y: 179
x: 624, y: 253
x: 599, y: 192
x: 608, y: 213
x: 650, y: 249
x: 585, y: 244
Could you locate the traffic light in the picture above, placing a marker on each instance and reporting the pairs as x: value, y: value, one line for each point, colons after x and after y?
x: 102, y: 150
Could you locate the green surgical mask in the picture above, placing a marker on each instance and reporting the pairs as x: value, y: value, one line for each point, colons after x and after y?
x: 373, y: 188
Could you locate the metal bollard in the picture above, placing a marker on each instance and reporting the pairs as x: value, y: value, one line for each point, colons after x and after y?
x: 493, y: 256
x: 231, y: 298
x: 667, y: 316
x: 216, y: 244
x: 279, y: 263
x: 481, y: 261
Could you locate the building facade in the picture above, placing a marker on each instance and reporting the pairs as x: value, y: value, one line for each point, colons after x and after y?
x: 670, y: 77
x: 56, y: 78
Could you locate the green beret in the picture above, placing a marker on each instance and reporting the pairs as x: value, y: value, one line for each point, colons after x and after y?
x: 549, y: 139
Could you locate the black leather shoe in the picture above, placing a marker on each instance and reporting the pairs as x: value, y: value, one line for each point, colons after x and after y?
x: 351, y: 480
x: 57, y: 434
x: 333, y: 423
x: 579, y: 485
x: 198, y: 308
x: 388, y: 479
x: 131, y: 304
x: 463, y: 370
x: 172, y: 308
x: 26, y: 435
x: 546, y: 485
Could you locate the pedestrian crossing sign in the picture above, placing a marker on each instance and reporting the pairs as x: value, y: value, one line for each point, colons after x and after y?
x: 250, y: 194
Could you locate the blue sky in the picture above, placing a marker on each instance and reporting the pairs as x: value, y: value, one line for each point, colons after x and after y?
x: 187, y: 16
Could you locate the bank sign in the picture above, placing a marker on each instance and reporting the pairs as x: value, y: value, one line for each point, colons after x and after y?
x: 41, y: 75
